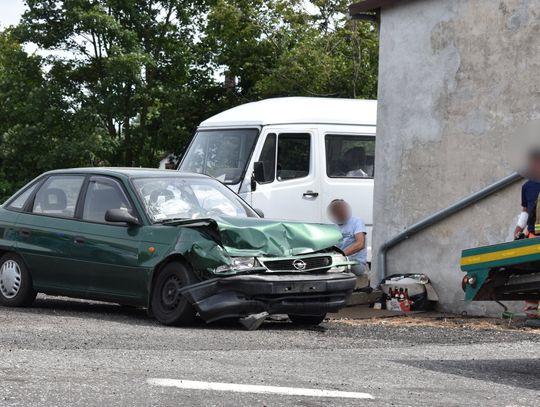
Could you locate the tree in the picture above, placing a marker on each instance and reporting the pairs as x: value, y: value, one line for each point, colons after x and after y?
x: 38, y: 131
x: 125, y: 81
x: 130, y: 61
x: 284, y: 48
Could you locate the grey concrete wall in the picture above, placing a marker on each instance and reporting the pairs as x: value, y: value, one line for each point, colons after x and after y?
x: 456, y: 79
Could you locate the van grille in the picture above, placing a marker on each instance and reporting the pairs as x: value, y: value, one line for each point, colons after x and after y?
x: 310, y: 263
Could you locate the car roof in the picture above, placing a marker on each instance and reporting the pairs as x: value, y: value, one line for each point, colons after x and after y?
x: 297, y: 110
x: 127, y: 172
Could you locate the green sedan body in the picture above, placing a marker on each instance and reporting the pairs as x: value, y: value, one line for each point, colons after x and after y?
x: 177, y: 244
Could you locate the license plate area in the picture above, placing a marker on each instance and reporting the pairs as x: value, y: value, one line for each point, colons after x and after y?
x: 299, y: 287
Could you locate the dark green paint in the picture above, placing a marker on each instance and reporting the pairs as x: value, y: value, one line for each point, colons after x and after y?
x: 481, y: 271
x: 114, y: 263
x: 481, y: 277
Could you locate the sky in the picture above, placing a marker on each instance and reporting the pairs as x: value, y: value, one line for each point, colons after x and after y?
x: 10, y: 12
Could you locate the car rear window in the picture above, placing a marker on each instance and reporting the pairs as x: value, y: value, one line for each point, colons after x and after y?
x: 58, y: 196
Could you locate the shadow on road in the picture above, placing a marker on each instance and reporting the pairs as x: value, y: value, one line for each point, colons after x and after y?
x: 70, y: 307
x: 511, y: 372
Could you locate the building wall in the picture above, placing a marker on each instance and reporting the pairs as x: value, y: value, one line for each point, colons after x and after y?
x: 457, y: 77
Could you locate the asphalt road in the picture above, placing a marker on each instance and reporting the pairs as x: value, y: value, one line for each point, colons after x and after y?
x: 72, y: 353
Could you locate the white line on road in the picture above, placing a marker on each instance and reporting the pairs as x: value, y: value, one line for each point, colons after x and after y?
x: 248, y: 388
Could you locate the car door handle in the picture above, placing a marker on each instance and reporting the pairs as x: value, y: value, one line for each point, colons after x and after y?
x: 311, y: 194
x: 79, y: 240
x: 24, y: 232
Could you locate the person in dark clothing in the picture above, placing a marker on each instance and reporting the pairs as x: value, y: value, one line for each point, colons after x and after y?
x: 529, y: 220
x: 530, y: 193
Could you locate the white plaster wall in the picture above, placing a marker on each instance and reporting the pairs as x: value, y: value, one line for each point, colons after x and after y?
x: 457, y: 77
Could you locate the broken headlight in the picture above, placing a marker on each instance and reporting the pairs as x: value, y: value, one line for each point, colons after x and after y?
x: 340, y: 263
x: 238, y: 264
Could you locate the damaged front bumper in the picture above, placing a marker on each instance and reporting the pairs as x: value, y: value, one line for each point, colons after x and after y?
x: 241, y: 295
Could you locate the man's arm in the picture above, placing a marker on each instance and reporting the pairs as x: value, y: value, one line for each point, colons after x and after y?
x: 358, y: 245
x: 522, y: 222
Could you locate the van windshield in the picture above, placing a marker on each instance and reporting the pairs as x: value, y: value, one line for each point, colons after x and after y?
x: 222, y: 154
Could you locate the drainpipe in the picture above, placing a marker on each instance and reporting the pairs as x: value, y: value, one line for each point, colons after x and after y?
x: 441, y: 215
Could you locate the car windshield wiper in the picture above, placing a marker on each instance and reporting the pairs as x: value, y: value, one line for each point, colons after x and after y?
x: 169, y: 220
x: 187, y: 222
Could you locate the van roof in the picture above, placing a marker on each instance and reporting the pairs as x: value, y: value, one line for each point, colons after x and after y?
x: 297, y: 110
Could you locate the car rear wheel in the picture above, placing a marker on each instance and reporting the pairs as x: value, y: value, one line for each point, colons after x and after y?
x: 168, y: 305
x: 307, y: 319
x: 16, y: 288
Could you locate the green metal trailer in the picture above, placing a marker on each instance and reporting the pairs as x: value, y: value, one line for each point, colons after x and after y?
x: 506, y: 271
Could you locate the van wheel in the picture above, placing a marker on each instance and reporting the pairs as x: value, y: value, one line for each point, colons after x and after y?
x: 169, y: 306
x: 307, y: 319
x: 16, y: 288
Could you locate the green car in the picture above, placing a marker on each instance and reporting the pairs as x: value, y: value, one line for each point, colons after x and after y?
x: 180, y: 245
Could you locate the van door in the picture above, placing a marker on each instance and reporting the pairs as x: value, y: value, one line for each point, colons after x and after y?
x: 349, y: 159
x: 290, y: 190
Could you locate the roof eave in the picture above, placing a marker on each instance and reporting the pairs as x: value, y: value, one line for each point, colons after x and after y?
x: 366, y: 6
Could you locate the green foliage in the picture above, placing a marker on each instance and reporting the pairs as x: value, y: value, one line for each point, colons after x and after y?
x: 123, y: 82
x: 38, y: 129
x: 277, y: 48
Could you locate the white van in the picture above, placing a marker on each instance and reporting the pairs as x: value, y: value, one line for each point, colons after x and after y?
x: 290, y: 157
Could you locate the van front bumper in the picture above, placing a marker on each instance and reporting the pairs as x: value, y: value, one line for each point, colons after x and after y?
x: 242, y: 295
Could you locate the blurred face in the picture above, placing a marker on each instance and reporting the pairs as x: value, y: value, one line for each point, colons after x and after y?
x: 340, y: 212
x: 534, y: 167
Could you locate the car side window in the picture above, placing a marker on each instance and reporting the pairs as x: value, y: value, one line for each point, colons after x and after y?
x: 58, y: 196
x: 20, y: 201
x: 350, y: 156
x: 293, y: 157
x: 103, y: 194
x: 268, y: 158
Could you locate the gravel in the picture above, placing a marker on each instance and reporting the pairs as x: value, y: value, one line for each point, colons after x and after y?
x: 64, y: 352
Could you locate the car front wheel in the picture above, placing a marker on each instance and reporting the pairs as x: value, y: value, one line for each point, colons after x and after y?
x: 168, y: 305
x: 16, y: 288
x: 307, y: 319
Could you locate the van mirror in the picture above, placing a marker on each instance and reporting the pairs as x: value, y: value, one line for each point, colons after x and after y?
x: 258, y: 172
x: 259, y: 212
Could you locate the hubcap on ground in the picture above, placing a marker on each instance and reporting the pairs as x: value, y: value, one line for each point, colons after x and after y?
x: 170, y: 295
x: 10, y: 279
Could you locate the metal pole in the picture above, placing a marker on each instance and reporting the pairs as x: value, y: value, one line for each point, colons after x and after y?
x: 441, y: 215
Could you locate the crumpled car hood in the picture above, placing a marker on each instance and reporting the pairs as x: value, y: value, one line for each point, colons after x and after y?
x: 264, y: 237
x: 253, y: 236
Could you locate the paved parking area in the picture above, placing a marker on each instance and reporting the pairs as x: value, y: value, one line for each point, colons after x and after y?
x: 65, y: 352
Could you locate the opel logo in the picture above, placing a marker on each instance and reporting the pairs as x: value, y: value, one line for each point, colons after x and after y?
x: 299, y: 264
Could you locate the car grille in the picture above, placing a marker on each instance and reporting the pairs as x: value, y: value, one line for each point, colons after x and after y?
x: 311, y: 263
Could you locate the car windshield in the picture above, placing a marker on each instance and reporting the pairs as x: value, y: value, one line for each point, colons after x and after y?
x: 167, y: 198
x: 222, y: 154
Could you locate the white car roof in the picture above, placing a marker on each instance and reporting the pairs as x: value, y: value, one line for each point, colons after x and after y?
x: 297, y: 110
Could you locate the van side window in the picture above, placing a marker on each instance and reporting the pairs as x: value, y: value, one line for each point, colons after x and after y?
x: 293, y: 158
x: 350, y: 156
x: 268, y: 157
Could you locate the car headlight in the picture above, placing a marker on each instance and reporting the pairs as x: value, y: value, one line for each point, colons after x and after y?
x: 238, y: 264
x: 340, y: 263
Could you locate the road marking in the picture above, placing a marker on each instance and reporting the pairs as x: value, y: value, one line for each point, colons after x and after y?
x: 249, y: 388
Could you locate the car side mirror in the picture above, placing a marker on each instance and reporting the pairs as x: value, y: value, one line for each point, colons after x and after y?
x: 258, y: 171
x: 259, y: 212
x: 121, y: 216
